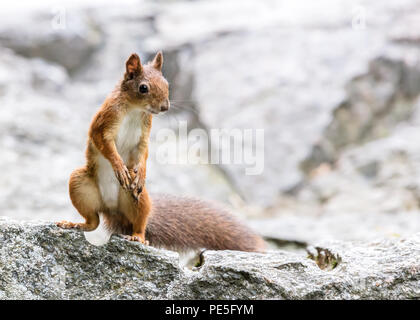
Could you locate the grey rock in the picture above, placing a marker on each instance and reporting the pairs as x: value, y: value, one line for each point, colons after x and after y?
x: 377, y: 101
x: 378, y: 178
x: 346, y: 226
x: 65, y: 37
x: 40, y: 261
x: 284, y: 77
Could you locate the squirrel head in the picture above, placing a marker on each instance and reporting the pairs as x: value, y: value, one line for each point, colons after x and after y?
x: 145, y: 85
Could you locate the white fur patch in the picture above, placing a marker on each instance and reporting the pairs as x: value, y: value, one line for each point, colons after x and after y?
x: 129, y: 134
x: 188, y: 259
x: 108, y: 183
x: 100, y: 235
x: 128, y: 137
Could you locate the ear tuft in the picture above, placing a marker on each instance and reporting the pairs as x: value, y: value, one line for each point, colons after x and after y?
x: 133, y: 66
x: 158, y: 61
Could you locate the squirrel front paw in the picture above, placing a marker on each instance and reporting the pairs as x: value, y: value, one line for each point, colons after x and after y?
x: 123, y: 176
x: 137, y: 185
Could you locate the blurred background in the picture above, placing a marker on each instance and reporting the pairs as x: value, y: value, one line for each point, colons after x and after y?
x: 334, y: 84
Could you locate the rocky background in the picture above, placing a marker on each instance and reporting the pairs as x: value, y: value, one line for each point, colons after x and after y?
x: 334, y: 84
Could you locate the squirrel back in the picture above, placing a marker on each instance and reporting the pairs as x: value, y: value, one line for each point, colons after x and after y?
x: 187, y: 223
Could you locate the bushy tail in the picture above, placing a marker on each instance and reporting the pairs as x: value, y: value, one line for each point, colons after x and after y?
x: 187, y: 223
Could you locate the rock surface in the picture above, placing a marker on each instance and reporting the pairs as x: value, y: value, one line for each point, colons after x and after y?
x: 68, y: 41
x: 40, y: 261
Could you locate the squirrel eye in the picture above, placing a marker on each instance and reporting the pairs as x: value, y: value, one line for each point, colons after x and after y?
x: 143, y: 88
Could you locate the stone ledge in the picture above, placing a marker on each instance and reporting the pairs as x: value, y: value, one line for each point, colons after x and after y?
x: 40, y: 261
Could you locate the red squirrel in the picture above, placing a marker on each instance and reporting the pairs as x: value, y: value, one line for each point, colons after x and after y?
x: 113, y: 180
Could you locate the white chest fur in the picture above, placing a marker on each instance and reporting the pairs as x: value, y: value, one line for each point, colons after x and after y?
x: 129, y: 134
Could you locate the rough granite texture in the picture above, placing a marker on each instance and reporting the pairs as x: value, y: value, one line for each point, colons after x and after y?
x: 40, y: 261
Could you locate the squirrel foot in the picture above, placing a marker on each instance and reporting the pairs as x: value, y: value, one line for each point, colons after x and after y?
x: 136, y: 237
x: 69, y: 225
x: 73, y: 225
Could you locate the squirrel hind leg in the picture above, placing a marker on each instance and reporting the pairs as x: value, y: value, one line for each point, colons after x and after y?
x: 117, y: 223
x: 86, y: 198
x: 130, y: 219
x: 133, y: 213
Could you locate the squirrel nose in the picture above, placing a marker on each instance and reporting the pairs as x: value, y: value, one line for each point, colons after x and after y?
x: 165, y: 106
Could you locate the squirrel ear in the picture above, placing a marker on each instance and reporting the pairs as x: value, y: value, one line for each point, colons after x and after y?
x: 133, y: 66
x: 158, y: 61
